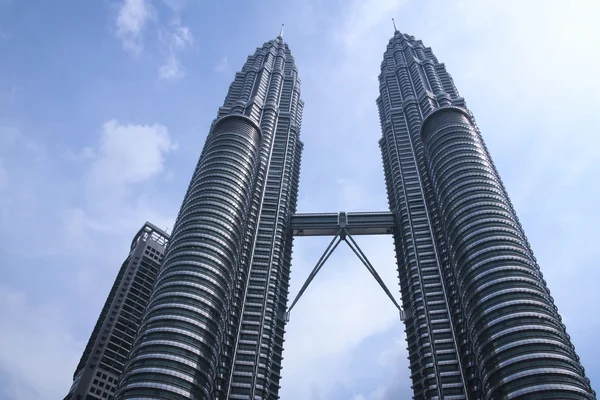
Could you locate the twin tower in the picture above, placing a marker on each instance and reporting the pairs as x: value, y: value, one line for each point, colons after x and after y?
x: 480, y: 320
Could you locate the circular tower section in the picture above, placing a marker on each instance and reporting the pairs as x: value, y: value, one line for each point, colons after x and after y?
x: 519, y: 342
x: 176, y: 355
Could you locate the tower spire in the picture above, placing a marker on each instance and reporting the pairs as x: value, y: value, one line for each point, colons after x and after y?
x: 394, y: 22
x: 281, y: 32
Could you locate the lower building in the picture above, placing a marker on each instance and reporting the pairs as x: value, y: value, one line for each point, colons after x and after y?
x: 103, y: 359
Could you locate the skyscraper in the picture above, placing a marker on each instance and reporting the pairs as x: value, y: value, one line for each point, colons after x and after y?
x: 101, y: 364
x: 481, y: 323
x: 214, y: 325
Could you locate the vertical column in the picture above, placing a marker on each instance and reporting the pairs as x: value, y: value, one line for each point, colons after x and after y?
x: 177, y: 351
x: 521, y: 347
x: 405, y: 96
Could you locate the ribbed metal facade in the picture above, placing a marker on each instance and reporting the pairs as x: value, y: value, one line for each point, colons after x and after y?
x: 481, y: 323
x: 410, y: 82
x: 214, y: 324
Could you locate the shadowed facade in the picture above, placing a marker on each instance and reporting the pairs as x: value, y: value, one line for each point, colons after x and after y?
x: 480, y: 321
x: 214, y: 325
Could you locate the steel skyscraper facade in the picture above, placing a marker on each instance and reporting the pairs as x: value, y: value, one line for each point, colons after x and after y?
x: 481, y: 323
x: 214, y: 325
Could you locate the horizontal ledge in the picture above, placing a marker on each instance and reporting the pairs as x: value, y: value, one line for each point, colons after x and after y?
x: 355, y: 223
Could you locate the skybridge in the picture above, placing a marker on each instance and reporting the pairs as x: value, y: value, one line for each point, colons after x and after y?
x: 355, y: 223
x: 343, y: 226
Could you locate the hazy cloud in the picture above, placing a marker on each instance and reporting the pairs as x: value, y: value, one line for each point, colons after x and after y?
x: 128, y: 153
x: 4, y: 36
x: 36, y: 348
x: 222, y: 65
x: 176, y: 38
x: 3, y: 176
x: 360, y: 17
x: 171, y: 69
x: 175, y: 5
x: 127, y: 158
x: 132, y: 18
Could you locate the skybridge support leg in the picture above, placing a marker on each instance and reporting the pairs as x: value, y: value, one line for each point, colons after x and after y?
x: 362, y: 257
x: 328, y: 251
x: 345, y: 236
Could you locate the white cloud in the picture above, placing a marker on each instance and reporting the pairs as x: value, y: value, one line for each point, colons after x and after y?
x: 181, y: 37
x: 108, y: 188
x: 132, y: 18
x: 171, y: 69
x: 177, y: 38
x: 128, y: 154
x: 222, y: 65
x: 65, y: 231
x: 127, y: 158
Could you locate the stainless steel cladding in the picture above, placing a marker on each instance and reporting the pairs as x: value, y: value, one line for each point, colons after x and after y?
x: 412, y: 83
x: 520, y: 345
x: 185, y: 323
x: 481, y: 323
x: 214, y: 325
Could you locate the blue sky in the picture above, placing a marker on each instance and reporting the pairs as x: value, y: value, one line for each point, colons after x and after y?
x: 105, y: 106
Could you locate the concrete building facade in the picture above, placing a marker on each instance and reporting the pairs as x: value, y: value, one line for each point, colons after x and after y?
x: 97, y: 374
